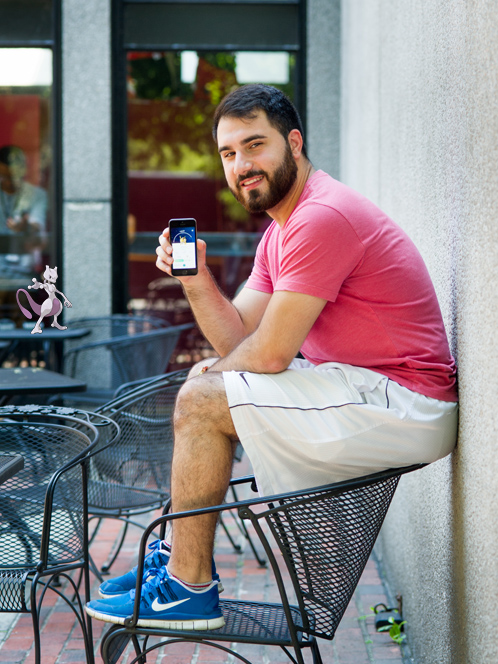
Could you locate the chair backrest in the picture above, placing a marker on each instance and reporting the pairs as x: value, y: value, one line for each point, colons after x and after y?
x: 103, y: 328
x: 115, y: 325
x: 325, y: 537
x: 140, y: 459
x: 42, y: 507
x: 147, y: 354
x: 178, y: 376
x: 107, y: 363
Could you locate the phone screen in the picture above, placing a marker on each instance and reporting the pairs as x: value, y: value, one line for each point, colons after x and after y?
x: 183, y: 240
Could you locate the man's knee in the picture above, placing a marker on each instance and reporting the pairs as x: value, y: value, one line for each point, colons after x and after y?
x: 203, y: 400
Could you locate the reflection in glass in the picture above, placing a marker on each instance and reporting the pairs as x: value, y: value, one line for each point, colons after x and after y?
x: 174, y: 170
x: 25, y: 160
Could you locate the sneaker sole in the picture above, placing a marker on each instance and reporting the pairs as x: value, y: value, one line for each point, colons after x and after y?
x: 180, y: 625
x: 103, y: 596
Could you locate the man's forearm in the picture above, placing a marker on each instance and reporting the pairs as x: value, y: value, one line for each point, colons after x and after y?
x: 245, y: 357
x: 217, y: 317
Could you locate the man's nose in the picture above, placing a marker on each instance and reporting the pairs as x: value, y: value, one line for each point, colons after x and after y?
x: 242, y: 164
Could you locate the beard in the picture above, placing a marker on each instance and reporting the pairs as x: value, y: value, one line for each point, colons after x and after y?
x: 279, y: 184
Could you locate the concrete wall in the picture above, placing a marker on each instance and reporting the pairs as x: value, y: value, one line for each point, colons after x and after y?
x: 420, y: 137
x: 324, y: 84
x: 86, y: 80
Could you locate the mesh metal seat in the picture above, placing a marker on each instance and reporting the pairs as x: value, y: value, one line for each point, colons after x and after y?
x: 132, y: 475
x: 325, y: 536
x: 119, y: 349
x: 43, y: 510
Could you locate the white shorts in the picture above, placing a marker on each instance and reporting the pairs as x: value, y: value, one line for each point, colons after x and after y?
x: 312, y: 425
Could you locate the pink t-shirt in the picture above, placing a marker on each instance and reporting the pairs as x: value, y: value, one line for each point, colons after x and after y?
x: 382, y: 312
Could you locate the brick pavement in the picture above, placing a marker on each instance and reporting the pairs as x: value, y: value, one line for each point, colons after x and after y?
x: 356, y: 641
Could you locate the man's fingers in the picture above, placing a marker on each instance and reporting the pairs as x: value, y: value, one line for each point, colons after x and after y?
x: 163, y: 266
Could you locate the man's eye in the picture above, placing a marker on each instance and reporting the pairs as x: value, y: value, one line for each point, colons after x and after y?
x: 256, y: 145
x: 227, y: 155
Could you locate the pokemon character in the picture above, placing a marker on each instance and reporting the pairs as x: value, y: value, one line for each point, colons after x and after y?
x: 51, y: 306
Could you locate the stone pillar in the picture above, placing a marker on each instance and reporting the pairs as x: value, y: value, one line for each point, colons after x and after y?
x: 86, y: 105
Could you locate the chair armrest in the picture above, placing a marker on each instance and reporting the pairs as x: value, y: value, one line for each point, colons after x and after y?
x: 242, y: 480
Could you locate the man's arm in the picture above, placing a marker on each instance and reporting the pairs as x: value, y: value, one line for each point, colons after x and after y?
x: 284, y: 326
x: 222, y: 322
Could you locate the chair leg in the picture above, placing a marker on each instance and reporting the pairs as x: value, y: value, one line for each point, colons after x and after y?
x: 96, y: 529
x: 111, y: 647
x: 315, y: 651
x: 112, y: 557
x: 242, y: 527
x: 237, y: 548
x: 36, y: 630
x: 95, y: 569
x: 166, y: 509
x: 75, y: 605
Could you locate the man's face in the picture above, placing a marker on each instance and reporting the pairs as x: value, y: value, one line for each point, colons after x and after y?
x: 259, y: 165
x: 10, y: 178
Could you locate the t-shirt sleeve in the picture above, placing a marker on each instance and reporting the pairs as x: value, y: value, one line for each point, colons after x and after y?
x: 320, y: 249
x: 260, y: 279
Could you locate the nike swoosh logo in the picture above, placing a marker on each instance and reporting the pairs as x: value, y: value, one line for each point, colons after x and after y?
x: 242, y: 375
x: 157, y: 606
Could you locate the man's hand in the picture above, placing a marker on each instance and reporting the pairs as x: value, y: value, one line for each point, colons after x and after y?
x: 223, y: 324
x: 20, y: 225
x: 164, y: 259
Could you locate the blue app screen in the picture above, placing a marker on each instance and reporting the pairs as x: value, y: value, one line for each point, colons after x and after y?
x: 184, y: 247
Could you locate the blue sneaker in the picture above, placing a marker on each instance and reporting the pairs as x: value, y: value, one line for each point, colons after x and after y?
x: 164, y: 603
x: 157, y: 558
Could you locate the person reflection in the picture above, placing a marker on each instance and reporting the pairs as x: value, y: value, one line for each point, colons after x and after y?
x: 23, y: 210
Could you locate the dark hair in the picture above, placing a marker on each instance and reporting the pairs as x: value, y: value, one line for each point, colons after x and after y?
x: 12, y: 153
x: 246, y: 101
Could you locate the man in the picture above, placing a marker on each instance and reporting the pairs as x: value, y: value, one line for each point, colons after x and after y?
x: 23, y: 209
x: 333, y: 278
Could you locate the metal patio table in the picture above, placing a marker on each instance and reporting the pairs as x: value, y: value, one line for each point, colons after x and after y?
x: 48, y: 338
x: 33, y: 380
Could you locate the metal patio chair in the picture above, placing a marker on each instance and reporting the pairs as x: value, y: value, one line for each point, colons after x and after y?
x: 132, y: 475
x: 120, y: 349
x: 324, y: 535
x: 43, y: 511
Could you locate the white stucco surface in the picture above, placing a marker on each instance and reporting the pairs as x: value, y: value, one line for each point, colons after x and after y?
x: 323, y: 37
x: 420, y: 137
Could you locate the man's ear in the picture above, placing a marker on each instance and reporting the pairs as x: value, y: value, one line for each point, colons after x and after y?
x: 295, y: 142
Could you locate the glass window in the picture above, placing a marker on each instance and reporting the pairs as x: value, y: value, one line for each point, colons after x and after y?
x: 212, y: 25
x: 26, y: 237
x: 174, y: 169
x: 25, y: 21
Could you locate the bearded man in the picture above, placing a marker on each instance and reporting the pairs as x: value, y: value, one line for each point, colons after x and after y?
x: 334, y: 278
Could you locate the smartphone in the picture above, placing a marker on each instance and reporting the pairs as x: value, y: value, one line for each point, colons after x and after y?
x: 183, y: 238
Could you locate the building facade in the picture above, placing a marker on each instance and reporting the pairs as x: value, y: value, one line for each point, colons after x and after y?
x: 399, y: 101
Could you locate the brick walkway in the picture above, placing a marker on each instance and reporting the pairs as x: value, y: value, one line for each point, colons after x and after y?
x: 356, y: 641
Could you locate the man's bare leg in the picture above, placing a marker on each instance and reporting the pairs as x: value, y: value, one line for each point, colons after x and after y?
x: 205, y: 440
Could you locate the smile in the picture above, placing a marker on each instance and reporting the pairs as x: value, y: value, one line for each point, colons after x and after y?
x: 251, y: 181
